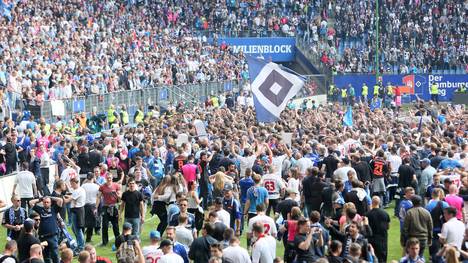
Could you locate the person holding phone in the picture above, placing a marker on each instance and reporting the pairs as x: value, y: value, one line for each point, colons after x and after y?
x: 306, y: 240
x: 111, y: 194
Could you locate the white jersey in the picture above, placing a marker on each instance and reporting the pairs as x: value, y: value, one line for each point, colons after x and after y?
x: 152, y: 254
x: 68, y: 174
x: 246, y: 162
x: 224, y: 217
x: 268, y: 224
x: 273, y: 183
x: 264, y: 250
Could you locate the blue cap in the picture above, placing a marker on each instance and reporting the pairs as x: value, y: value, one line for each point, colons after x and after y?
x: 155, y: 234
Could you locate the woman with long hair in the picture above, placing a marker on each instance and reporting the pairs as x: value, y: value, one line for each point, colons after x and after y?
x: 164, y: 195
x: 194, y: 204
x: 289, y: 231
x: 218, y: 180
x: 451, y: 255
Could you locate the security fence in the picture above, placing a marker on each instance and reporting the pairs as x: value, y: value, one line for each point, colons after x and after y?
x: 163, y: 96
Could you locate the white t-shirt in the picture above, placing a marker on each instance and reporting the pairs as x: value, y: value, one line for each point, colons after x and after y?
x: 78, y: 197
x: 268, y: 224
x: 277, y: 163
x: 92, y: 191
x: 303, y: 164
x: 171, y: 258
x: 224, y: 217
x: 25, y: 181
x: 342, y: 173
x: 264, y: 250
x: 236, y: 254
x: 451, y: 232
x: 395, y: 162
x: 273, y: 183
x: 246, y: 162
x: 152, y: 253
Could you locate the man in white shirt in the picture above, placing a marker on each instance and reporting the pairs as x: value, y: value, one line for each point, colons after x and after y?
x: 152, y: 253
x: 26, y: 183
x: 169, y: 255
x: 274, y: 185
x: 303, y: 163
x: 264, y: 248
x: 246, y: 161
x: 452, y: 230
x: 78, y: 198
x: 268, y: 224
x: 235, y: 253
x: 223, y: 215
x: 92, y: 191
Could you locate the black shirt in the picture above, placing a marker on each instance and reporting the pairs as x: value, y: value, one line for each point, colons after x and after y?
x: 56, y: 207
x: 379, y: 221
x: 24, y: 244
x: 406, y: 175
x: 304, y: 255
x: 132, y: 203
x: 363, y: 171
x: 331, y: 164
x: 19, y: 217
x: 312, y: 189
x: 285, y: 206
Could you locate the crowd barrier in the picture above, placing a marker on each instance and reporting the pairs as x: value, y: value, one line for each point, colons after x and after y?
x: 190, y: 95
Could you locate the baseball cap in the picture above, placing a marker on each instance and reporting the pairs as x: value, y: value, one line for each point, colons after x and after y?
x: 165, y: 243
x: 155, y: 234
x: 127, y: 226
x: 228, y: 187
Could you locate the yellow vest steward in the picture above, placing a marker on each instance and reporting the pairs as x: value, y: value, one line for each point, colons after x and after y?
x: 139, y: 117
x: 365, y: 90
x: 343, y: 93
x: 110, y: 116
x: 434, y: 89
x: 125, y: 117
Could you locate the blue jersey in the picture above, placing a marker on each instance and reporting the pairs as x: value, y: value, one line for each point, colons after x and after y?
x: 405, y: 205
x: 257, y: 195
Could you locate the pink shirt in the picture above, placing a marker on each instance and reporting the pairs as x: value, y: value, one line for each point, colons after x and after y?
x: 190, y: 172
x: 456, y: 202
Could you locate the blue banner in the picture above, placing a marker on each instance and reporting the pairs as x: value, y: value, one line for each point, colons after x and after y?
x: 276, y: 49
x: 414, y: 84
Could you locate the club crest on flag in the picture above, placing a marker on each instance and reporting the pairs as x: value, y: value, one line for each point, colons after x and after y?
x: 272, y: 87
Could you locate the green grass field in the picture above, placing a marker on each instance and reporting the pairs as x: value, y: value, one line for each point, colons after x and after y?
x: 394, y: 249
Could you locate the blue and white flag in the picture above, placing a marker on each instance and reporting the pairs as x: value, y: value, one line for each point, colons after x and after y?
x: 272, y: 87
x: 348, y: 117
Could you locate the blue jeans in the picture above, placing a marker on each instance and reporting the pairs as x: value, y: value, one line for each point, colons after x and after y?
x: 51, y: 250
x: 135, y: 222
x: 77, y: 230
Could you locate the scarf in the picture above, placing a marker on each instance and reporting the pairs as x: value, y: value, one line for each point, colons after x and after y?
x: 11, y: 217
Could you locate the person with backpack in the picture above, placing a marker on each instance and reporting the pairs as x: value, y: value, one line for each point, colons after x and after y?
x: 9, y: 252
x: 126, y: 235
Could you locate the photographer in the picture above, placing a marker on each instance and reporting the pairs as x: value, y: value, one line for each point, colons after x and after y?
x: 49, y: 226
x: 306, y: 241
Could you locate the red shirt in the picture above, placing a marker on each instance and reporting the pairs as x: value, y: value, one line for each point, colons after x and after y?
x: 109, y: 193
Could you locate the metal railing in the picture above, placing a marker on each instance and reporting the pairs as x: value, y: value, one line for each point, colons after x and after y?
x: 191, y: 95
